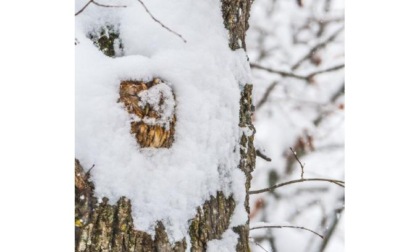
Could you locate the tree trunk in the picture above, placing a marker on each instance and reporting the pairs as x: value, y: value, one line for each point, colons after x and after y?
x: 105, y: 227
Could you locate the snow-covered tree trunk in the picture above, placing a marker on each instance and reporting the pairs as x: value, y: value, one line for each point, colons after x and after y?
x: 102, y: 226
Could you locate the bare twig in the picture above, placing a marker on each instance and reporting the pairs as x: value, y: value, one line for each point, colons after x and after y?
x: 297, y: 76
x: 338, y: 93
x: 303, y: 228
x: 282, y: 73
x: 265, y: 95
x: 332, y: 229
x: 88, y: 172
x: 334, y: 181
x: 157, y: 21
x: 84, y: 7
x: 331, y: 69
x: 262, y: 155
x: 98, y: 4
x: 302, y: 166
x: 108, y: 6
x: 259, y: 245
x: 317, y: 47
x: 333, y: 99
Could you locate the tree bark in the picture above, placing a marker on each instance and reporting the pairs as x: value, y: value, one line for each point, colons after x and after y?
x: 102, y: 227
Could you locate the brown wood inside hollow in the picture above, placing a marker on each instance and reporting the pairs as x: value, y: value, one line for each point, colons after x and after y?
x: 155, y: 136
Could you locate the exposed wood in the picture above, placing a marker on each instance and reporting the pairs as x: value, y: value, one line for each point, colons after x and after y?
x: 147, y: 134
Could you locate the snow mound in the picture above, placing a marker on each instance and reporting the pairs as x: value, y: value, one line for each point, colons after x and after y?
x: 205, y: 76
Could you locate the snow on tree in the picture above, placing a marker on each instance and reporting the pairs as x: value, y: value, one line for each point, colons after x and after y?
x: 164, y: 125
x: 163, y: 117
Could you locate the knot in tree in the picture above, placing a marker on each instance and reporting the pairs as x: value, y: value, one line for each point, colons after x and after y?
x: 152, y: 109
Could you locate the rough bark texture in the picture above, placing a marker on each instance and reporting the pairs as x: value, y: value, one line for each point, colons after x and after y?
x: 211, y: 222
x: 109, y: 228
x: 235, y: 15
x: 103, y: 227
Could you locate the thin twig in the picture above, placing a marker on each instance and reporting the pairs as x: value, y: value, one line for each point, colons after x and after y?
x: 307, y: 77
x: 88, y: 172
x: 303, y: 228
x: 259, y: 245
x: 333, y: 99
x: 331, y: 69
x: 157, y: 21
x: 282, y: 73
x: 262, y: 155
x: 338, y: 93
x: 331, y: 230
x: 84, y: 7
x: 266, y: 94
x: 317, y: 47
x: 334, y: 181
x: 98, y: 4
x: 108, y: 6
x: 302, y: 166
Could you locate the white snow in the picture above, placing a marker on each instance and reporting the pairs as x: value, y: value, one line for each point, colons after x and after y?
x: 226, y: 244
x: 152, y: 97
x: 163, y: 184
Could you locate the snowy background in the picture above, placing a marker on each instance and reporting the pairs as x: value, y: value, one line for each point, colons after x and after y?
x: 307, y: 115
